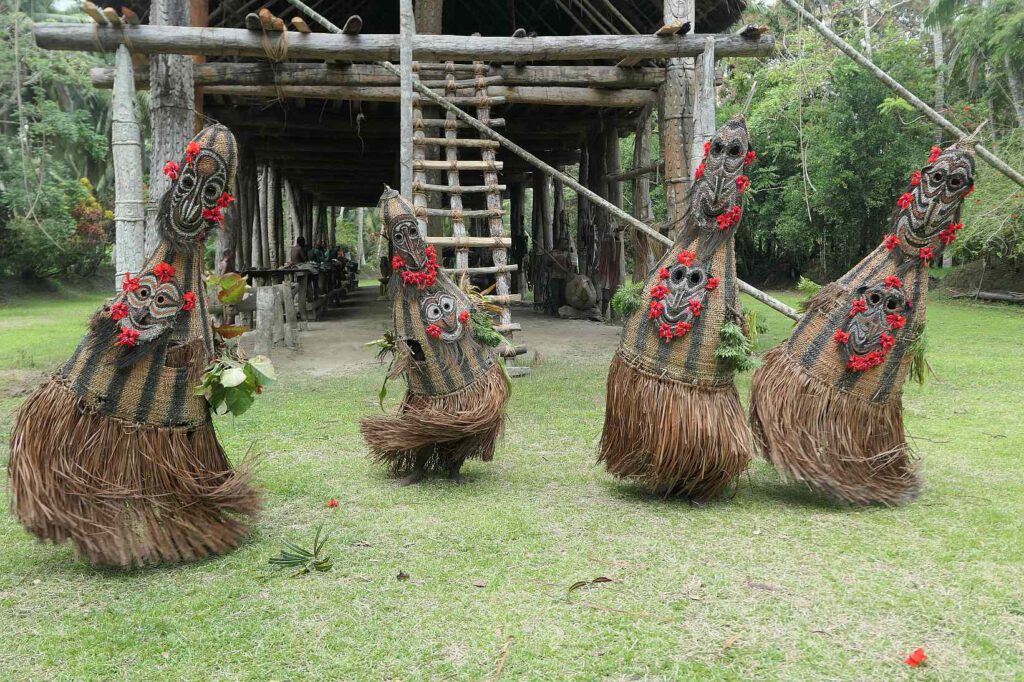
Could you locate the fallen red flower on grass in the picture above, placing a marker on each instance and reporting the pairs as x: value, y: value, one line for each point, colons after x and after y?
x: 332, y: 503
x: 916, y: 658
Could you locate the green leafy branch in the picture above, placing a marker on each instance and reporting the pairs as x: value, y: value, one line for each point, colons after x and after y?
x: 302, y: 560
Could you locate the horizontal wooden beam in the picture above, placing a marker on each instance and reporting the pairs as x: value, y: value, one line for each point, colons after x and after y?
x: 549, y: 95
x: 233, y: 42
x: 490, y: 270
x: 653, y: 167
x: 310, y: 73
x: 472, y: 242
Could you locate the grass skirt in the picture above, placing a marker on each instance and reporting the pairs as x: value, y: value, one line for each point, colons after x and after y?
x: 126, y: 494
x: 670, y: 437
x: 442, y: 430
x: 846, y: 446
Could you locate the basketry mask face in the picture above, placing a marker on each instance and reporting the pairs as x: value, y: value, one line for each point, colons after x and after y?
x: 409, y: 244
x: 206, y: 172
x: 686, y: 293
x: 715, y: 190
x: 150, y: 307
x: 867, y: 327
x: 937, y: 198
x: 445, y: 318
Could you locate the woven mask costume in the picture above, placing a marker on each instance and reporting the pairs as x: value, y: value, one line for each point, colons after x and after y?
x: 673, y: 421
x: 116, y: 451
x: 454, y: 407
x: 827, y: 405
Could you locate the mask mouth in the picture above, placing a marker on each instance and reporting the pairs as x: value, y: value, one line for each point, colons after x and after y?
x: 452, y: 333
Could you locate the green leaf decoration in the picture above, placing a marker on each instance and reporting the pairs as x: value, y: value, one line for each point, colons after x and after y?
x: 303, y: 561
x: 628, y: 299
x: 735, y: 349
x: 232, y: 288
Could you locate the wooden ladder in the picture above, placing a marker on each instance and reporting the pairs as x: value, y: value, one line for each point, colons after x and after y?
x: 455, y: 92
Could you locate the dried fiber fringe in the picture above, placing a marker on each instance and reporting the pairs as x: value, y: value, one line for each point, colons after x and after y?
x: 673, y: 438
x: 839, y: 443
x: 126, y: 494
x: 444, y: 429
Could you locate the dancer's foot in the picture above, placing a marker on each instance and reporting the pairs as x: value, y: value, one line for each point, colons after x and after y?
x: 417, y: 475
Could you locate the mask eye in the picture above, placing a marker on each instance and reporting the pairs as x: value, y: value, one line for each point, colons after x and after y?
x: 695, y: 277
x: 937, y: 176
x: 956, y: 182
x: 734, y: 150
x: 678, y: 274
x: 874, y: 298
x: 717, y: 147
x: 187, y: 182
x: 211, y: 192
x: 893, y: 303
x: 143, y: 292
x: 433, y: 312
x: 399, y: 237
x: 447, y: 305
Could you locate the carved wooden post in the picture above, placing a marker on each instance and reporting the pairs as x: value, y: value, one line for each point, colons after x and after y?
x: 126, y: 143
x: 674, y: 119
x: 172, y: 101
x: 408, y: 30
x: 704, y: 105
x: 643, y: 207
x: 360, y: 249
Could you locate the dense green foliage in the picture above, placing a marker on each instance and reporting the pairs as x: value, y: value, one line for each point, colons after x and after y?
x: 54, y: 154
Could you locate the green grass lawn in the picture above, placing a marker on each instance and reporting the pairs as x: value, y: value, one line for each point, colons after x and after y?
x: 774, y: 583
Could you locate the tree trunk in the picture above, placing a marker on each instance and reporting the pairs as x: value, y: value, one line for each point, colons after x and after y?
x: 643, y: 208
x: 273, y: 206
x: 171, y: 105
x: 126, y: 145
x: 676, y: 118
x: 360, y: 247
x: 1016, y: 93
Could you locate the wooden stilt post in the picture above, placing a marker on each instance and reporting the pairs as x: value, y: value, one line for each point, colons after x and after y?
x: 408, y: 30
x: 704, y: 103
x: 126, y: 144
x: 273, y: 204
x: 171, y: 106
x: 675, y: 117
x: 643, y: 207
x: 360, y: 248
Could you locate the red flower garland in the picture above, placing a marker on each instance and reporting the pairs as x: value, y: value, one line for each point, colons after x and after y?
x: 128, y: 338
x: 191, y: 151
x: 729, y: 218
x: 225, y: 200
x: 665, y: 331
x: 707, y: 148
x: 129, y: 283
x: 750, y: 158
x: 896, y: 321
x: 743, y: 183
x: 433, y: 331
x: 712, y: 283
x: 669, y: 332
x: 906, y: 200
x: 429, y: 274
x: 699, y: 173
x: 891, y: 242
x: 664, y: 273
x: 893, y: 282
x: 397, y: 262
x: 165, y: 271
x: 659, y: 291
x: 171, y: 170
x: 686, y: 257
x: 936, y: 152
x: 915, y: 178
x: 464, y: 316
x: 841, y: 336
x: 190, y: 301
x: 695, y: 307
x: 682, y: 328
x: 862, y: 363
x: 948, y: 236
x: 887, y: 341
x: 213, y: 215
x: 858, y: 306
x: 118, y: 311
x: 926, y: 254
x: 657, y: 310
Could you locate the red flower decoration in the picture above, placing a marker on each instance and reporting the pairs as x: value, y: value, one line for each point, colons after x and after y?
x: 397, y: 262
x: 213, y: 215
x: 917, y: 658
x: 664, y: 273
x: 893, y: 282
x: 165, y: 271
x: 464, y: 316
x: 936, y: 152
x: 927, y: 254
x: 887, y: 341
x: 118, y: 311
x: 699, y: 173
x: 433, y: 331
x: 906, y: 200
x: 225, y: 200
x: 891, y: 242
x: 858, y: 306
x: 171, y: 170
x: 332, y: 503
x: 915, y: 178
x: 128, y: 338
x: 712, y: 284
x: 895, y: 321
x: 695, y: 307
x: 191, y: 151
x: 665, y: 331
x: 657, y: 309
x: 729, y: 218
x: 190, y: 301
x: 841, y: 336
x: 686, y: 257
x: 743, y: 183
x: 659, y: 291
x: 861, y: 363
x: 707, y: 148
x: 682, y: 328
x: 129, y: 283
x: 969, y: 192
x: 750, y: 158
x: 948, y: 236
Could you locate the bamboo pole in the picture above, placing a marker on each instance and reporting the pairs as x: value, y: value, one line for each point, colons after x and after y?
x: 408, y: 29
x: 126, y: 146
x: 936, y: 118
x: 549, y: 170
